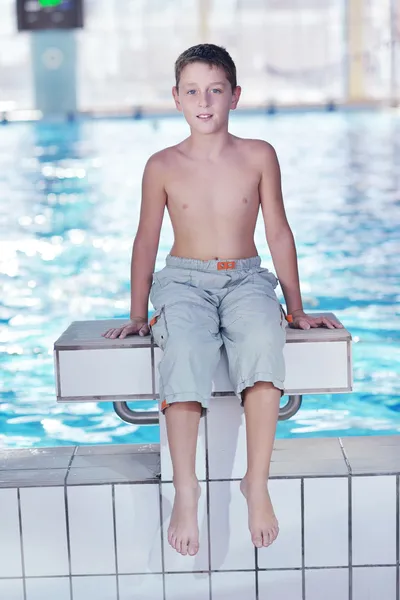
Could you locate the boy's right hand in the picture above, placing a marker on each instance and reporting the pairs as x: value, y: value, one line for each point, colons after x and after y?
x: 135, y: 326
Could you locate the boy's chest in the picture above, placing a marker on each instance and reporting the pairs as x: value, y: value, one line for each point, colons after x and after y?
x: 213, y: 186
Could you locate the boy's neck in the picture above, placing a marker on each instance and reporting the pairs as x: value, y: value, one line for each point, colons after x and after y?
x: 209, y: 146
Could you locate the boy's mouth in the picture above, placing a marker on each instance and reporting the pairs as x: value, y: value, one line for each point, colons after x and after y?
x: 204, y: 116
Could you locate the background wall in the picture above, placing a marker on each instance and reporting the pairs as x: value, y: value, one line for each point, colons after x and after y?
x: 287, y: 51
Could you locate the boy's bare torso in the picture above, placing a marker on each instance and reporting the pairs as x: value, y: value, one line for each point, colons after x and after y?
x: 213, y: 204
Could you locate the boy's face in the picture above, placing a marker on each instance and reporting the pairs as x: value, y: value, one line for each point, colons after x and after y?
x: 205, y: 97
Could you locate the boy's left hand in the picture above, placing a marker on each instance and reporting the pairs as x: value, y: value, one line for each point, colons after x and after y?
x: 303, y: 321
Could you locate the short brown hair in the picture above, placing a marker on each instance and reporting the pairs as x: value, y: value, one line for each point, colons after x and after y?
x: 215, y: 56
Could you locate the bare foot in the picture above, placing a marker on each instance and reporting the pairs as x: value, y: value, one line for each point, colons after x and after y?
x: 263, y: 524
x: 183, y: 530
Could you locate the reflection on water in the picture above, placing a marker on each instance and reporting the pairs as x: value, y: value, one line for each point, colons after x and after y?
x: 69, y: 209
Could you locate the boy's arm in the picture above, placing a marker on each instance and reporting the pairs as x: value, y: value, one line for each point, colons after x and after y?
x: 147, y: 237
x: 278, y: 233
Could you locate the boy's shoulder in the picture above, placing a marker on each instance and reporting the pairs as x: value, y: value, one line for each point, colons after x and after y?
x: 165, y: 155
x: 259, y: 151
x: 256, y: 146
x: 162, y: 157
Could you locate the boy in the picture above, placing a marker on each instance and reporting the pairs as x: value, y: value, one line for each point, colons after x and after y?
x: 212, y: 290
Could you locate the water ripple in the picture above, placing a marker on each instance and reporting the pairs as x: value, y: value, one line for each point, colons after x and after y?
x: 65, y: 251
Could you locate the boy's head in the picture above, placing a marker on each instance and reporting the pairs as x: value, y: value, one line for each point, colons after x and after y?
x: 209, y: 54
x: 206, y: 88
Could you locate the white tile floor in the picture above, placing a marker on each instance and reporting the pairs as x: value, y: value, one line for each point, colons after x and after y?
x: 176, y: 562
x: 140, y: 587
x: 334, y: 582
x: 233, y: 586
x: 374, y: 583
x: 106, y: 540
x: 12, y: 589
x: 10, y: 541
x: 91, y: 527
x: 285, y: 552
x: 280, y: 585
x: 137, y: 528
x: 43, y: 518
x: 51, y: 587
x: 231, y: 546
x: 326, y: 518
x: 373, y: 520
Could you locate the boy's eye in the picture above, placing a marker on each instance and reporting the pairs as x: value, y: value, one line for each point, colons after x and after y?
x: 217, y: 90
x: 191, y: 92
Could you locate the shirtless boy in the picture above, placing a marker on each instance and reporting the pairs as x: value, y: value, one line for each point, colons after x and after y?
x: 213, y: 290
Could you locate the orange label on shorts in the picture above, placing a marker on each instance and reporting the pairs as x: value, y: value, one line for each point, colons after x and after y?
x: 164, y: 405
x: 229, y: 264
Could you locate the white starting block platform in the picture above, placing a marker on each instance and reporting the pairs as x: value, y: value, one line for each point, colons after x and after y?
x: 91, y: 368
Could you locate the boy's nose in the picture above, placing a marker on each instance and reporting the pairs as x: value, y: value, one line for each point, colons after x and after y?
x: 203, y: 100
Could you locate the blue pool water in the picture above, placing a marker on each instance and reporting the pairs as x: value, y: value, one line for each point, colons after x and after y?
x: 69, y: 208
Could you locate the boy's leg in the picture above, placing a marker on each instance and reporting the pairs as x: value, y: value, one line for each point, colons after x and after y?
x: 182, y: 420
x: 261, y: 407
x: 186, y: 327
x: 254, y: 342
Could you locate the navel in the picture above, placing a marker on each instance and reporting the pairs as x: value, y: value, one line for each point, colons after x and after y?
x: 245, y: 201
x: 185, y: 205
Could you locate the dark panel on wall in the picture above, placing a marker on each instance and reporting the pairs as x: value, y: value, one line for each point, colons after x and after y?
x: 36, y: 15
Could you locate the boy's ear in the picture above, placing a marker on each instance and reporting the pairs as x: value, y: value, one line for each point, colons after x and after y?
x: 235, y: 97
x: 175, y: 94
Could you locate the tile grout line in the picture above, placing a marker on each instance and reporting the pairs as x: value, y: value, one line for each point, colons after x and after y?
x: 350, y: 533
x: 303, y: 560
x: 262, y: 570
x: 346, y: 458
x: 70, y: 464
x: 162, y: 538
x: 153, y: 384
x: 21, y: 537
x: 115, y: 537
x: 277, y: 477
x: 207, y: 465
x: 349, y: 518
x: 71, y: 592
x: 256, y: 572
x: 397, y: 538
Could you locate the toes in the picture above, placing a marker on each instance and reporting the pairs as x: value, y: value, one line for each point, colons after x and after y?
x: 193, y: 548
x: 184, y: 547
x: 267, y: 538
x: 169, y: 538
x: 257, y: 541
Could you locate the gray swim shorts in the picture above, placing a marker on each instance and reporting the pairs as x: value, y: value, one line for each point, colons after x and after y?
x: 201, y: 306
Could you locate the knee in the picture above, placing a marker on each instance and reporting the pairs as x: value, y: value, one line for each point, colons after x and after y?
x: 263, y: 385
x: 259, y: 386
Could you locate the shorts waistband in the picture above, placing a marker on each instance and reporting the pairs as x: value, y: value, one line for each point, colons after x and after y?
x: 213, y: 265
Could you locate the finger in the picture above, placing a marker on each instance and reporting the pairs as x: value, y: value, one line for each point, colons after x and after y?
x: 109, y: 333
x: 116, y: 333
x: 125, y: 331
x: 337, y: 324
x: 328, y: 323
x: 318, y: 322
x: 303, y: 324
